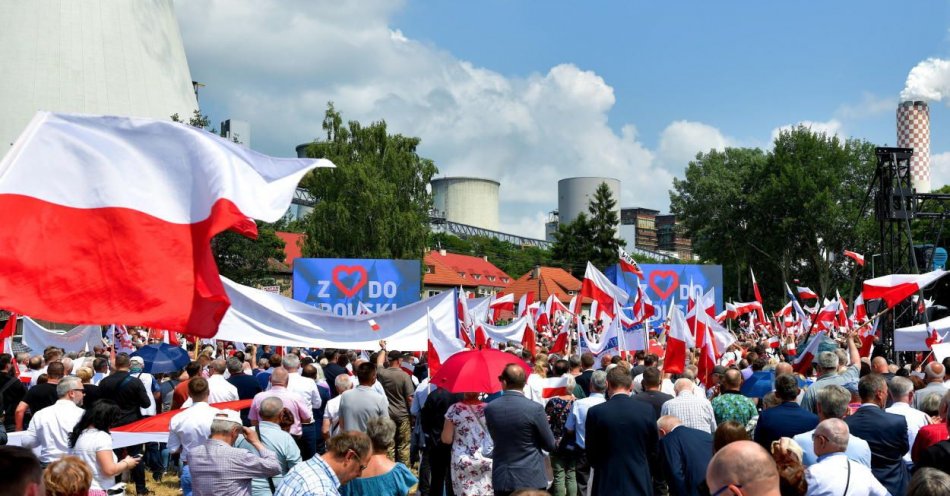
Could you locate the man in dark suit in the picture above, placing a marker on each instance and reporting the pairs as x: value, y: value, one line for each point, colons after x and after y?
x: 788, y: 419
x: 587, y: 365
x: 886, y: 434
x: 684, y: 455
x: 620, y: 434
x: 652, y: 395
x: 520, y: 430
x: 247, y: 386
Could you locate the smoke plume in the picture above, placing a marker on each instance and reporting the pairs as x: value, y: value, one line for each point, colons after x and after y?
x: 929, y: 81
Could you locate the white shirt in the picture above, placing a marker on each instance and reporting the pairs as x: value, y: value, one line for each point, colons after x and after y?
x: 534, y: 389
x: 332, y: 413
x: 90, y: 442
x: 36, y: 375
x: 306, y: 388
x: 830, y: 476
x: 190, y: 428
x: 915, y: 420
x: 377, y: 386
x: 577, y: 420
x: 147, y: 379
x: 50, y: 429
x: 219, y: 391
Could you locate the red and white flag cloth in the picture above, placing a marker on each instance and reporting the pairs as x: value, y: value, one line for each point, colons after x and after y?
x: 678, y: 341
x: 803, y: 362
x: 6, y: 336
x: 110, y: 218
x: 774, y: 341
x: 806, y: 293
x: 373, y: 325
x: 501, y: 304
x: 524, y: 303
x: 860, y: 312
x: 736, y: 310
x: 79, y: 338
x: 857, y: 257
x: 921, y: 337
x: 628, y: 264
x: 895, y: 288
x: 755, y: 287
x: 597, y: 287
x: 555, y: 306
x: 554, y: 386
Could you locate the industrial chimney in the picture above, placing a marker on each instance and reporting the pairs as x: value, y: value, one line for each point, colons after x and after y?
x: 913, y: 131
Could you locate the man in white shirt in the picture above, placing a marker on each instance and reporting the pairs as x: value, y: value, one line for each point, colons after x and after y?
x: 835, y: 473
x: 51, y: 426
x: 219, y: 389
x: 190, y: 428
x: 902, y: 393
x: 307, y: 389
x: 577, y: 422
x: 331, y: 415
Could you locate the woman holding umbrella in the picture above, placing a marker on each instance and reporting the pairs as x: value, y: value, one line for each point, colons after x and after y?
x: 465, y: 430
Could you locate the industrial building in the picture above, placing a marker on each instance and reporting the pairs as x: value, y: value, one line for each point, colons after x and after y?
x: 472, y: 201
x: 574, y: 194
x: 112, y: 58
x: 913, y: 131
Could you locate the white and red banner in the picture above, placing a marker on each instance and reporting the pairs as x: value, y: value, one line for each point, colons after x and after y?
x: 598, y: 287
x: 79, y: 338
x: 920, y: 337
x: 554, y: 386
x: 109, y: 219
x: 897, y: 287
x: 806, y: 293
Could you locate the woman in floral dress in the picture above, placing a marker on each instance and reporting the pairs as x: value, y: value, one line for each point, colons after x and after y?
x: 465, y: 430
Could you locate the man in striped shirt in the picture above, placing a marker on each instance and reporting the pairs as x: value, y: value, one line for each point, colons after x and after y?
x: 346, y: 457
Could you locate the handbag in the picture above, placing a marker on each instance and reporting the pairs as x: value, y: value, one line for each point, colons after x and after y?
x: 270, y: 480
x: 487, y: 448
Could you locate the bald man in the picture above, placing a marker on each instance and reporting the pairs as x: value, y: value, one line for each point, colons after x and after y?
x: 745, y: 465
x: 692, y: 410
x: 835, y: 473
x: 684, y: 454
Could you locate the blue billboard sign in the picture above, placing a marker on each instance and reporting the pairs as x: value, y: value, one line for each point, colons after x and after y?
x: 668, y: 283
x: 339, y: 285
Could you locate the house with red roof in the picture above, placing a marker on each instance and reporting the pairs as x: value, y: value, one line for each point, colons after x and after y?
x: 553, y: 280
x: 444, y: 271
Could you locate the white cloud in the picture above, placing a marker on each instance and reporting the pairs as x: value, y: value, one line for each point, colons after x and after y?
x: 870, y: 105
x: 831, y: 127
x: 928, y: 80
x: 939, y: 170
x: 277, y: 63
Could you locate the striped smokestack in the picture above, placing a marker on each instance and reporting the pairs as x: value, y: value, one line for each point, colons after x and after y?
x: 913, y: 131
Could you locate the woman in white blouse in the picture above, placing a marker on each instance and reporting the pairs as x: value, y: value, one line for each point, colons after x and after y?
x: 91, y: 442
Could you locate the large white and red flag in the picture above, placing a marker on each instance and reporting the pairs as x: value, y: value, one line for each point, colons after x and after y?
x: 597, y: 287
x: 806, y: 293
x: 678, y: 341
x: 110, y: 219
x: 803, y: 362
x: 896, y: 287
x: 857, y: 257
x: 524, y: 303
x: 501, y: 304
x: 628, y: 264
x: 554, y: 386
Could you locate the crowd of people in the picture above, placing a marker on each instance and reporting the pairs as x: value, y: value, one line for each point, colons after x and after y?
x: 328, y: 421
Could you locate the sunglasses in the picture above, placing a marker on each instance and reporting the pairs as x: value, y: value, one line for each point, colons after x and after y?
x: 357, y: 456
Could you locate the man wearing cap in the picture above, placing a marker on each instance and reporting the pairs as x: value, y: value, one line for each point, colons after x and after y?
x: 829, y: 375
x: 399, y: 390
x: 217, y: 467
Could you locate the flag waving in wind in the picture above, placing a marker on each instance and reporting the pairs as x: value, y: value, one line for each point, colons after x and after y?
x: 110, y: 218
x: 628, y: 264
x: 857, y: 257
x: 895, y: 288
x: 598, y: 287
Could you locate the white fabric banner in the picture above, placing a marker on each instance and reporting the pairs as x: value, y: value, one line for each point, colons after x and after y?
x: 79, y: 338
x: 503, y: 334
x: 260, y: 317
x: 914, y: 338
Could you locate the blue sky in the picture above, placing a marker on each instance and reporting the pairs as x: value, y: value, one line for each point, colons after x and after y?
x: 530, y: 92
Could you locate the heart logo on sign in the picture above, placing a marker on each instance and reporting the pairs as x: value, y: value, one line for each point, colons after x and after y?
x: 347, y: 271
x: 662, y: 275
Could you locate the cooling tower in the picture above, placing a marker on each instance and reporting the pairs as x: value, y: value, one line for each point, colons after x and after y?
x: 467, y: 200
x: 575, y: 193
x: 122, y: 57
x: 913, y: 131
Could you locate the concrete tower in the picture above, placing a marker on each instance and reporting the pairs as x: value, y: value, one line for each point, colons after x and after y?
x: 90, y: 56
x: 913, y: 131
x: 467, y: 200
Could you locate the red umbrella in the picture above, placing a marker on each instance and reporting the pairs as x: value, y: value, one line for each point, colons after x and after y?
x: 475, y: 371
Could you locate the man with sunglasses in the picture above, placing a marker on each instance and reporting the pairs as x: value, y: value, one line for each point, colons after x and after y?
x: 346, y: 457
x: 835, y: 473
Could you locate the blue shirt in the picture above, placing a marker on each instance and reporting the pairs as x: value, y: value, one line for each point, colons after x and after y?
x: 396, y: 482
x: 310, y: 478
x: 577, y: 420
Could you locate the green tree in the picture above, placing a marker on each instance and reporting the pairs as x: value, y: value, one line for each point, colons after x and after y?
x: 375, y: 204
x: 604, y: 223
x: 787, y: 214
x: 573, y: 245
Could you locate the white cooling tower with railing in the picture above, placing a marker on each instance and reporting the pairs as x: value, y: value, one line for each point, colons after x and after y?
x: 913, y: 131
x: 114, y: 57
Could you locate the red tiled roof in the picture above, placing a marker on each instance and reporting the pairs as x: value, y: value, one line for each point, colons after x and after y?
x: 553, y: 280
x: 293, y: 244
x: 453, y: 269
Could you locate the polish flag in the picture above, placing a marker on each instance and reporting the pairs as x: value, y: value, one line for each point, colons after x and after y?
x: 525, y: 302
x: 860, y: 312
x: 441, y: 345
x: 736, y: 310
x: 896, y: 287
x: 560, y: 342
x: 678, y: 341
x: 572, y: 306
x: 110, y: 218
x: 6, y: 336
x: 597, y: 287
x: 554, y: 306
x: 799, y: 312
x: 774, y: 342
x: 554, y: 386
x: 373, y: 325
x: 506, y: 302
x: 643, y: 309
x: 803, y: 362
x: 933, y: 339
x: 785, y: 311
x: 707, y: 355
x: 806, y: 294
x: 628, y: 264
x: 857, y: 257
x: 755, y: 287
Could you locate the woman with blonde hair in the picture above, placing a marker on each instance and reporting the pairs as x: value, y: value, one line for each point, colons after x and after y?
x: 68, y: 476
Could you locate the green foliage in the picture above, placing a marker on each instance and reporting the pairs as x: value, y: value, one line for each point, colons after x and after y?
x: 573, y: 245
x: 197, y: 120
x: 375, y: 204
x: 788, y: 213
x: 244, y: 260
x: 603, y: 225
x: 513, y: 259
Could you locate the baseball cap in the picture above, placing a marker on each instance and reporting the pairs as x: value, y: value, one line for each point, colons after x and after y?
x: 229, y: 415
x: 395, y: 355
x: 137, y: 359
